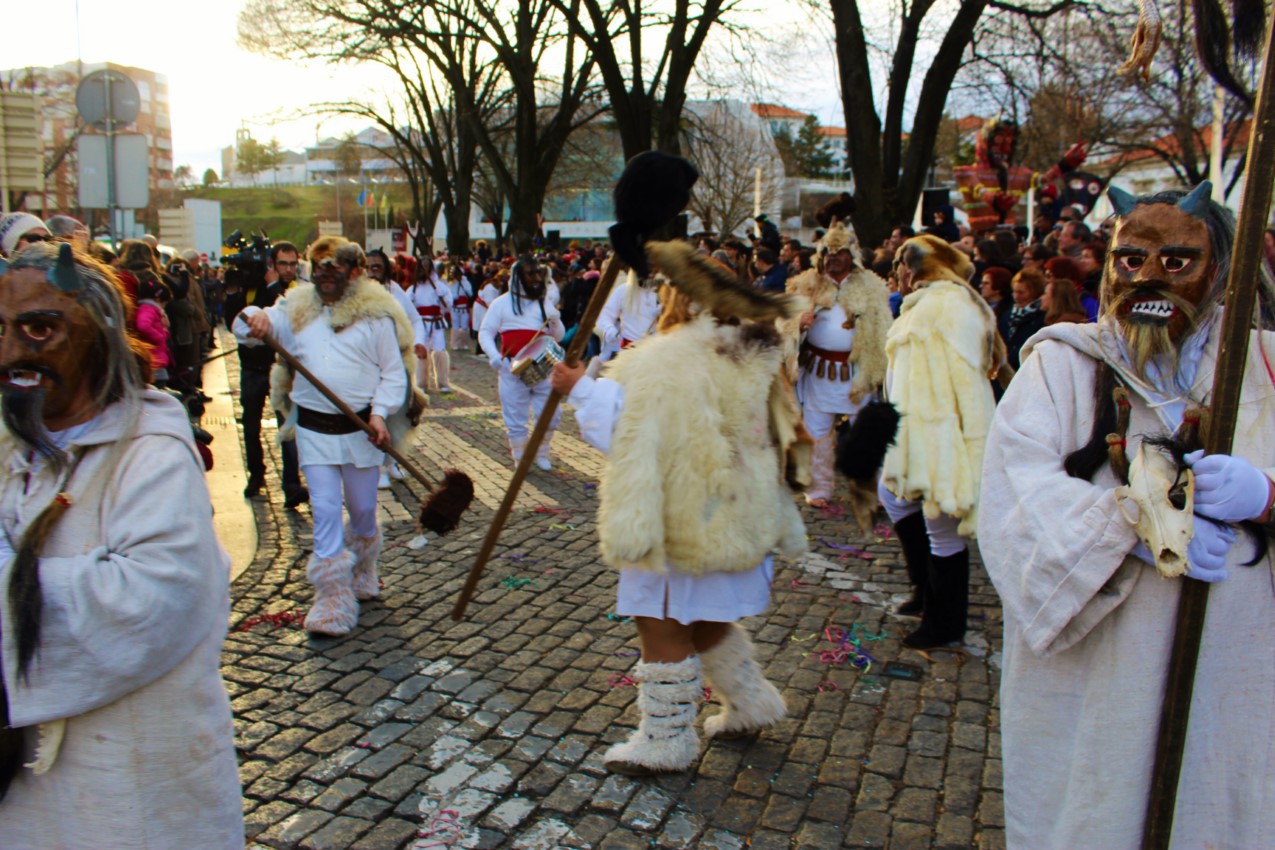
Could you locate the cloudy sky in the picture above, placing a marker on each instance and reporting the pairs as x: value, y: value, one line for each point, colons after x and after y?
x: 216, y: 87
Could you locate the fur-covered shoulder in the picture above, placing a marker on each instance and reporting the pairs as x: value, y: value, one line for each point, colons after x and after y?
x: 866, y: 301
x: 953, y: 313
x: 363, y: 300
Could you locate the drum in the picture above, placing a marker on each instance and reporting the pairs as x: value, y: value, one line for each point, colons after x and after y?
x: 536, y: 359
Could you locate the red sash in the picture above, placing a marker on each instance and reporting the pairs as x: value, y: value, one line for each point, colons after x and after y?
x: 461, y: 302
x: 480, y: 301
x: 513, y: 341
x: 625, y: 343
x: 432, y: 312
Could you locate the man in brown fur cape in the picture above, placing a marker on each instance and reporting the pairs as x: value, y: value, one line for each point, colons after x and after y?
x: 836, y: 354
x: 354, y: 336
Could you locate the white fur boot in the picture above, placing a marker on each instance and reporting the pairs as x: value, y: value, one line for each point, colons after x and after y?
x: 425, y: 373
x: 443, y: 369
x: 515, y: 448
x: 823, y: 480
x: 335, y: 611
x: 543, y: 460
x: 367, y: 551
x: 665, y: 740
x: 750, y: 703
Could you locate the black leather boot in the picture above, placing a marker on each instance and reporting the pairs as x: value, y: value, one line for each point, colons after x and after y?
x: 915, y: 542
x: 947, y: 601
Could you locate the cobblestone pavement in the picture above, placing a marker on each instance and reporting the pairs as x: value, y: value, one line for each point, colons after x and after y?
x: 418, y: 731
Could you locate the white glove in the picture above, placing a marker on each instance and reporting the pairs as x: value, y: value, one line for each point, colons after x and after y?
x: 502, y: 365
x: 1206, y: 553
x: 1228, y: 488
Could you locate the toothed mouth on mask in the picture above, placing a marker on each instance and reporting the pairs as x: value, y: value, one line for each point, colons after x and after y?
x: 1154, y: 309
x: 23, y: 379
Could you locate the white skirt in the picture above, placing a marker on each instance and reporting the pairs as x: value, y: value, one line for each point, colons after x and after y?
x: 712, y: 597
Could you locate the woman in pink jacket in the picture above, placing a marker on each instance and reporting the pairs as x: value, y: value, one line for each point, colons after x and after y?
x: 152, y: 326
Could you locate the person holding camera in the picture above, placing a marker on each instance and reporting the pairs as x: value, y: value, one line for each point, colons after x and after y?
x: 262, y: 286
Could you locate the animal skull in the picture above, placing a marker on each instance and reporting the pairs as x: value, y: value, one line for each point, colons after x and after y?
x: 1165, y: 498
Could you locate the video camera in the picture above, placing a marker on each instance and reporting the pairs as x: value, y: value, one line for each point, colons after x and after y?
x: 246, y: 266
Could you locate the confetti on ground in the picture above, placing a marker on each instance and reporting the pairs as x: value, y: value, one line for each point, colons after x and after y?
x: 627, y: 653
x: 420, y: 541
x: 796, y: 583
x: 828, y: 687
x: 857, y: 553
x: 282, y: 618
x: 558, y: 526
x: 517, y: 583
x: 443, y: 830
x: 618, y: 618
x: 831, y: 511
x: 619, y: 680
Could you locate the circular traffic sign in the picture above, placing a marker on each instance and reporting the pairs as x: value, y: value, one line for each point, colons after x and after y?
x: 108, y: 100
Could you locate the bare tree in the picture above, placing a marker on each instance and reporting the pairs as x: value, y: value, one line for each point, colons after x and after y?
x: 646, y: 89
x: 545, y: 73
x: 888, y: 174
x: 728, y: 146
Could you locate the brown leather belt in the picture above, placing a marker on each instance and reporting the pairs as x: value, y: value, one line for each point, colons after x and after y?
x: 831, y: 364
x: 330, y: 423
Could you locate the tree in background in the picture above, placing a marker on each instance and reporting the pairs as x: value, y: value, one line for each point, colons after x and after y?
x: 728, y: 148
x: 348, y: 157
x: 184, y: 176
x: 805, y: 155
x: 210, y: 177
x: 888, y: 174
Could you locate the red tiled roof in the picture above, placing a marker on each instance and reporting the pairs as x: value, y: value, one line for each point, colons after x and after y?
x: 1173, y: 145
x: 970, y: 123
x: 770, y: 110
x: 835, y: 132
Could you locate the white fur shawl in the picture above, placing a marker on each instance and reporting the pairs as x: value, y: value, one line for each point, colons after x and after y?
x: 696, y: 478
x: 365, y: 299
x: 866, y: 301
x: 939, y: 361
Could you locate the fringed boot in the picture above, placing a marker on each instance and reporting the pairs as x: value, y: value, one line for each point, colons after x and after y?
x: 915, y: 542
x: 516, y: 445
x: 665, y: 740
x: 823, y: 480
x: 443, y: 370
x: 367, y: 551
x: 543, y: 461
x: 750, y: 703
x: 335, y: 612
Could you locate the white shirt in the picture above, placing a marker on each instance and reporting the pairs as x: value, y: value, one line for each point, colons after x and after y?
x: 501, y: 317
x: 619, y: 321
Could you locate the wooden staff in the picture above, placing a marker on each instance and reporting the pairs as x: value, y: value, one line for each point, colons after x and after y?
x: 578, y: 343
x: 1241, y: 295
x: 441, y: 512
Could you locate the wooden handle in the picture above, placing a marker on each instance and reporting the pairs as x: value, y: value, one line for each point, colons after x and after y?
x: 348, y: 411
x: 1232, y: 355
x: 578, y: 343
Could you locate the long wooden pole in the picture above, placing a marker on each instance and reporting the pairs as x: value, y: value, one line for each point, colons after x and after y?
x: 1241, y: 296
x: 578, y: 343
x: 349, y: 412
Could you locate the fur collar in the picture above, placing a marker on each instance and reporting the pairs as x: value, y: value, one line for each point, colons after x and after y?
x: 365, y: 299
x: 864, y: 298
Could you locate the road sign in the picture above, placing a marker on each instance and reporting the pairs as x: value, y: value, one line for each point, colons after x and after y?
x: 132, y: 171
x: 21, y: 151
x: 108, y: 100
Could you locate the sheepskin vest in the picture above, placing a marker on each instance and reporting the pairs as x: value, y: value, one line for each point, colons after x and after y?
x: 364, y: 299
x: 866, y: 301
x: 695, y: 481
x: 941, y: 355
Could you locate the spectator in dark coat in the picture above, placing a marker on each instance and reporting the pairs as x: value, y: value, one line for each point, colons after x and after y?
x: 772, y: 275
x: 1025, y: 317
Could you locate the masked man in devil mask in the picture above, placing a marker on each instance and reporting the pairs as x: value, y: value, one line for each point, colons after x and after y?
x: 519, y: 317
x: 115, y: 728
x: 1088, y: 617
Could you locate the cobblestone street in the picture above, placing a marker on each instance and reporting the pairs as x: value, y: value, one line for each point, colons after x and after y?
x: 419, y: 731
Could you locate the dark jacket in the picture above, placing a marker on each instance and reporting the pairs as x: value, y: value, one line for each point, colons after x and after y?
x: 775, y: 280
x: 1016, y: 330
x: 259, y: 358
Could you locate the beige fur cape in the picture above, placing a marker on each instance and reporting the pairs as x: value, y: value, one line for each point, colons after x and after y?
x: 940, y: 359
x: 866, y: 301
x: 364, y: 299
x: 695, y: 480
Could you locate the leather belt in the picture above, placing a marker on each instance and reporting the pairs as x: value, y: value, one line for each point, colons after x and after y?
x: 330, y: 423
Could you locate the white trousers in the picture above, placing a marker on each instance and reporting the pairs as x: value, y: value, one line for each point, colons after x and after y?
x: 326, y: 483
x: 819, y: 423
x: 520, y: 404
x: 944, y: 540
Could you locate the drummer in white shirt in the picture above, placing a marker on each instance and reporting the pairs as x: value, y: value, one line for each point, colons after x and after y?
x: 518, y: 317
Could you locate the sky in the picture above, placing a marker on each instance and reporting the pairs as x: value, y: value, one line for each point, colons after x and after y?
x: 215, y: 86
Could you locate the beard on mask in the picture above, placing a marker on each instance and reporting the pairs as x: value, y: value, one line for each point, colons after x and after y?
x: 24, y: 417
x: 1150, y: 338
